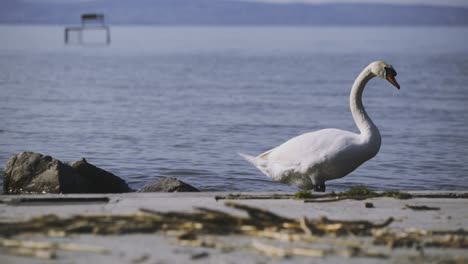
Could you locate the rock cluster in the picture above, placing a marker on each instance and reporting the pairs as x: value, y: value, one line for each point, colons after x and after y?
x: 34, y: 173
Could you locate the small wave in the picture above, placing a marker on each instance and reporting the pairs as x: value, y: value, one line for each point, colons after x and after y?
x: 186, y: 172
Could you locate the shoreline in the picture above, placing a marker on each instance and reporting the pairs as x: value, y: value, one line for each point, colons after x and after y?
x: 448, y: 214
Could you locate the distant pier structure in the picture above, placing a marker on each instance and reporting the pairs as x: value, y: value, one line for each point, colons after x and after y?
x: 89, y: 21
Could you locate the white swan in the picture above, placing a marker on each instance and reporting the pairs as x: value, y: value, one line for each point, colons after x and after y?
x: 310, y: 159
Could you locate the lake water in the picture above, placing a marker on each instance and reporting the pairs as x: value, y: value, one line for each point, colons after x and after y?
x: 183, y: 101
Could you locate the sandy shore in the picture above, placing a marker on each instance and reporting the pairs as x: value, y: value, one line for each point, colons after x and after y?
x: 448, y: 214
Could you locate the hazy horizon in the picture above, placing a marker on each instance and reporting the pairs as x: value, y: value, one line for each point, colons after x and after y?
x: 453, y: 3
x: 239, y: 12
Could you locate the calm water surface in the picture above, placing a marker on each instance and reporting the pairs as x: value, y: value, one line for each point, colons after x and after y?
x: 183, y: 101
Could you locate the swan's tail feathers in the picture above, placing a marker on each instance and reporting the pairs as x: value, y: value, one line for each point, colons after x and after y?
x: 265, y: 154
x: 260, y: 163
x: 249, y: 158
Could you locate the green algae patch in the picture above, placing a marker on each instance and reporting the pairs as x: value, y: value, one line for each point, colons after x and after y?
x: 303, y: 195
x: 397, y: 195
x: 362, y: 191
x: 358, y: 191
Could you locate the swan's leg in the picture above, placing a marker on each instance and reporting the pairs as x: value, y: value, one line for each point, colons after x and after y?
x: 322, y: 187
x: 319, y: 187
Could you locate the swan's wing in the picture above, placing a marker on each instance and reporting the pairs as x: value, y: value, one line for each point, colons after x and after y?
x: 310, y: 149
x: 296, y: 159
x: 276, y: 171
x: 312, y: 142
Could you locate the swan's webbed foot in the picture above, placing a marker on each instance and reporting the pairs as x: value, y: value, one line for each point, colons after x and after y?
x: 319, y: 187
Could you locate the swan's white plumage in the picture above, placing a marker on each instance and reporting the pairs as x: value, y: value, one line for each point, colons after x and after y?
x: 311, y: 159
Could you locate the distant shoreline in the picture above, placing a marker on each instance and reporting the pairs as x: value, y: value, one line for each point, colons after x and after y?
x: 20, y: 24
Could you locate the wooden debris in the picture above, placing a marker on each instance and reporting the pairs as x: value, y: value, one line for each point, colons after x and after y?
x: 363, y: 193
x: 355, y: 193
x: 422, y: 208
x: 305, y: 226
x: 202, y: 221
x: 57, y: 200
x: 200, y: 255
x: 270, y: 250
x: 299, y: 195
x: 40, y: 245
x: 460, y: 232
x: 309, y: 252
x: 281, y: 252
x: 336, y: 199
x: 442, y: 195
x: 421, y: 239
x: 194, y: 228
x: 45, y: 250
x: 241, y: 196
x: 259, y: 214
x: 33, y: 253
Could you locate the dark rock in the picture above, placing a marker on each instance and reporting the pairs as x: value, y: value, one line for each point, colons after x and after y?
x: 100, y: 181
x: 29, y: 172
x: 168, y: 185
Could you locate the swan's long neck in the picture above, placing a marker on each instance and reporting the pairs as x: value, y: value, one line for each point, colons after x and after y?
x: 369, y: 132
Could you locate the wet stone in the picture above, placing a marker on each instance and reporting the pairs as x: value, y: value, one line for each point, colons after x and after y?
x: 168, y: 185
x: 35, y: 173
x: 100, y: 181
x: 29, y: 172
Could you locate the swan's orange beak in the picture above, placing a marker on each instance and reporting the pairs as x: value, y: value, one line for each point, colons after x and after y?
x: 392, y: 80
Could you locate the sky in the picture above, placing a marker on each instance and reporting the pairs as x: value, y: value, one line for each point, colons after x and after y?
x: 462, y: 3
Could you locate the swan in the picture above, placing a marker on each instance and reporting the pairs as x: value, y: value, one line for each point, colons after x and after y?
x: 311, y: 159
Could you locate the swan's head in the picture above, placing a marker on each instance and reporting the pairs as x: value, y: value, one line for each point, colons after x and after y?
x: 385, y: 71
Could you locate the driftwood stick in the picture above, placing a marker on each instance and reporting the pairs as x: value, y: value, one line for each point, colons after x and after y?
x: 33, y: 253
x: 258, y: 214
x: 336, y: 199
x: 275, y: 251
x: 254, y: 197
x: 270, y: 250
x: 305, y: 226
x: 41, y: 245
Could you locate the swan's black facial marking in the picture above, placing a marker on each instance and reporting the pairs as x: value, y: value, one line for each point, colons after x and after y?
x: 391, y: 71
x: 390, y: 74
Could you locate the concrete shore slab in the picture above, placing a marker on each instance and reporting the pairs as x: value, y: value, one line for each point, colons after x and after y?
x: 159, y: 248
